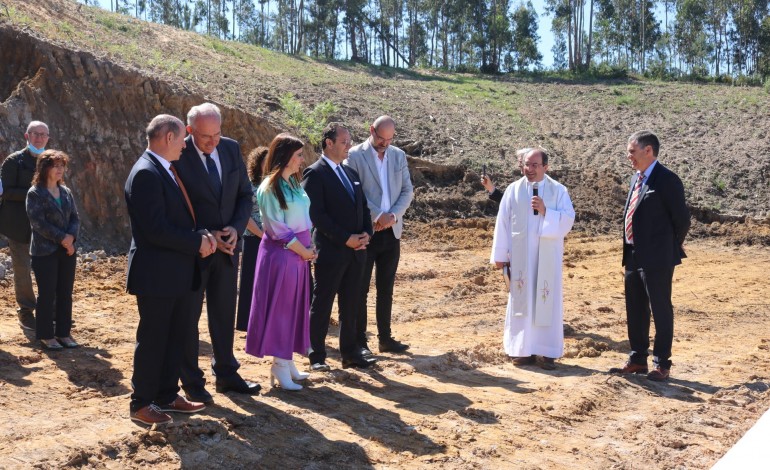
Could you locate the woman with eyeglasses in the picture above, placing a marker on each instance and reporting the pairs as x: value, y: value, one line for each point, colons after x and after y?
x: 55, y: 224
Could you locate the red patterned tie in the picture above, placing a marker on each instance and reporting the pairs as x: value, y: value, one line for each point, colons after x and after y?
x: 632, y: 208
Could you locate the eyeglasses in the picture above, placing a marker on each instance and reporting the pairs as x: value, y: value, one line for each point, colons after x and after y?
x: 533, y: 166
x: 59, y: 165
x: 39, y: 134
x: 383, y: 138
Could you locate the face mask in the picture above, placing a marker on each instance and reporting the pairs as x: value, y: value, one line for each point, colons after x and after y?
x: 34, y: 149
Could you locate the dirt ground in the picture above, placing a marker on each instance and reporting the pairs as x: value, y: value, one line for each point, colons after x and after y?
x: 454, y: 401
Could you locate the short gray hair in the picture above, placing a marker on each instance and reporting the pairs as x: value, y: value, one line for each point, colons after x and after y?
x: 36, y: 124
x: 521, y: 153
x: 162, y: 124
x: 203, y: 110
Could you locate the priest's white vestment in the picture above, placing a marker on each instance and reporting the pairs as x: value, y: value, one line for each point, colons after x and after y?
x: 534, y: 246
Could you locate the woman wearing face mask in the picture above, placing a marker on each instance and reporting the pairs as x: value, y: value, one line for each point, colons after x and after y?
x: 55, y: 224
x: 16, y: 176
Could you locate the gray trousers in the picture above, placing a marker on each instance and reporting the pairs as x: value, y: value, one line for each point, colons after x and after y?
x: 22, y: 275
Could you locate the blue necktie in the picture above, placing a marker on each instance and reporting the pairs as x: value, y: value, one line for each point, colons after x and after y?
x: 346, y: 183
x: 211, y: 166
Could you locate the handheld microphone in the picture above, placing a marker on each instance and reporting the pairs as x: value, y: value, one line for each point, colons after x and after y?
x: 534, y: 193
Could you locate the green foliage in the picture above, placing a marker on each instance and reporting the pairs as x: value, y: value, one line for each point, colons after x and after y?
x: 309, y: 124
x: 719, y: 184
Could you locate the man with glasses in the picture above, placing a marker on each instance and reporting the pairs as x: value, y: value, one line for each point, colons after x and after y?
x: 656, y: 221
x: 16, y: 175
x: 535, y: 215
x: 388, y: 189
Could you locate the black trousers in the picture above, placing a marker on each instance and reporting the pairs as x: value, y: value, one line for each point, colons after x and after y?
x: 649, y: 291
x: 219, y: 285
x: 341, y: 278
x: 383, y: 252
x: 246, y: 289
x: 160, y: 337
x: 55, y: 276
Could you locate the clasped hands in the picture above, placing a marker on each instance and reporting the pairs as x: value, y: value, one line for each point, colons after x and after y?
x: 69, y: 244
x: 223, y: 240
x: 358, y: 241
x: 385, y: 221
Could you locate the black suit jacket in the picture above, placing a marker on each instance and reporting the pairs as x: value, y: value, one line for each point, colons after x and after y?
x: 334, y: 214
x: 233, y: 208
x: 660, y: 223
x: 164, y: 244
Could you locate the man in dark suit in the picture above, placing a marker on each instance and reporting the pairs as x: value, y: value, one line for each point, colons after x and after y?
x: 16, y: 177
x: 656, y: 221
x: 161, y: 272
x: 221, y: 196
x: 342, y: 231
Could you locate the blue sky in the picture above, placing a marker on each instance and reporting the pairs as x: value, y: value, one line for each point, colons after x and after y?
x: 544, y: 29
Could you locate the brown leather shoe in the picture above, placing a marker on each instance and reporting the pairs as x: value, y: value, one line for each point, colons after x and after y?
x: 546, y: 363
x: 523, y: 361
x: 150, y: 415
x: 630, y: 368
x: 182, y: 405
x: 659, y: 374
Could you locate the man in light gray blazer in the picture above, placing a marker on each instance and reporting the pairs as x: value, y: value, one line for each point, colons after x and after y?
x: 384, y: 174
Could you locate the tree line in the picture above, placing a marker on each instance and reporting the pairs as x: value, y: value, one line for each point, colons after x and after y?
x: 663, y: 38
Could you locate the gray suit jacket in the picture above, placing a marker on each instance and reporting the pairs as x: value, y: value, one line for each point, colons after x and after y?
x: 50, y: 223
x: 361, y: 159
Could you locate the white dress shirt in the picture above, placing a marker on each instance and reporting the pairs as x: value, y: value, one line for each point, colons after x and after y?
x: 214, y: 156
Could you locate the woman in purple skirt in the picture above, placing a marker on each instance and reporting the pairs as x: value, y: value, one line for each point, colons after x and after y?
x: 280, y: 305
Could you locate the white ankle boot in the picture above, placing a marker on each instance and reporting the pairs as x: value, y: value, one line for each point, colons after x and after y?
x: 281, y: 372
x: 295, y: 374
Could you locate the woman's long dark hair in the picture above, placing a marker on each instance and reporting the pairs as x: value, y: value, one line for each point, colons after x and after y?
x: 282, y: 148
x: 46, y: 161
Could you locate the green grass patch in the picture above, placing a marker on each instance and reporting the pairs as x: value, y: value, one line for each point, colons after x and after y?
x: 310, y: 124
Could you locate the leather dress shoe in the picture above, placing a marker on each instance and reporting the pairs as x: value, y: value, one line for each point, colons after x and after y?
x: 182, y: 405
x: 523, y: 360
x: 659, y: 374
x: 238, y: 385
x: 357, y: 361
x: 320, y: 367
x: 391, y: 345
x: 151, y: 414
x: 630, y: 368
x: 366, y: 352
x: 198, y: 394
x: 546, y: 363
x: 26, y: 320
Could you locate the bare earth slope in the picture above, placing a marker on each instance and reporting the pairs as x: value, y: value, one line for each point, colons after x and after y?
x: 454, y: 402
x: 127, y: 70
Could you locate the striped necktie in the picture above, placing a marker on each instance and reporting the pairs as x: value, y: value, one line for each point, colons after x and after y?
x: 632, y: 208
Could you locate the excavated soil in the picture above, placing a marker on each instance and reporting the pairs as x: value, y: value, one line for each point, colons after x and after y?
x: 455, y: 401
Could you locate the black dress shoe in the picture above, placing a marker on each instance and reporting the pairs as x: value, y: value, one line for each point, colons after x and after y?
x: 319, y: 367
x: 357, y: 361
x: 366, y: 352
x: 391, y: 345
x: 238, y: 385
x: 198, y: 394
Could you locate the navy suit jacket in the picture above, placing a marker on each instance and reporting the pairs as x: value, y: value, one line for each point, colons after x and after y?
x: 164, y: 244
x: 233, y: 208
x: 335, y: 215
x: 660, y: 223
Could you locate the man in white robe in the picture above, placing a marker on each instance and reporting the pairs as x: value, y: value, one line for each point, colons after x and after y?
x: 533, y: 245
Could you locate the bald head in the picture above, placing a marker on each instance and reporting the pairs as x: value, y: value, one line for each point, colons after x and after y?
x: 165, y: 136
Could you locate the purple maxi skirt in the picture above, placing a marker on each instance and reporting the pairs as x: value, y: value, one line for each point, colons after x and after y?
x: 279, y: 321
